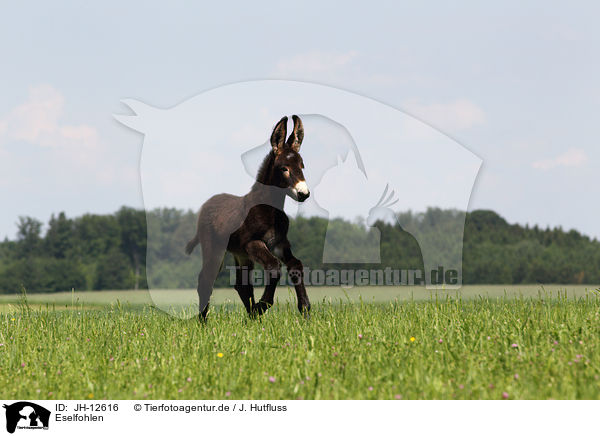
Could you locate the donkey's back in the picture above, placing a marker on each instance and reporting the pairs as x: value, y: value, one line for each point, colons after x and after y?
x: 219, y: 217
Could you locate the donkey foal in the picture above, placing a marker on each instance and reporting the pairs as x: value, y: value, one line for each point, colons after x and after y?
x: 254, y: 227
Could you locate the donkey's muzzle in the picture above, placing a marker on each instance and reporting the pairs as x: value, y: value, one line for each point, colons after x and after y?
x: 300, y: 191
x: 302, y: 196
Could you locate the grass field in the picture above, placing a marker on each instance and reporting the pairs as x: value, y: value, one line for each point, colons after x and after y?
x: 482, y: 342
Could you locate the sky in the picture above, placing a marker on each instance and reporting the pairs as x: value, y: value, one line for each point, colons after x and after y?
x: 515, y: 84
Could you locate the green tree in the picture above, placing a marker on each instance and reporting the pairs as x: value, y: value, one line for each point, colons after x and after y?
x: 112, y: 271
x: 59, y: 237
x: 132, y: 224
x: 28, y: 236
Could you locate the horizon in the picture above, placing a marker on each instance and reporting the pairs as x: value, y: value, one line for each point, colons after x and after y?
x: 355, y: 220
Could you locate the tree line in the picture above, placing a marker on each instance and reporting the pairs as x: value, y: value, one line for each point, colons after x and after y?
x: 98, y: 252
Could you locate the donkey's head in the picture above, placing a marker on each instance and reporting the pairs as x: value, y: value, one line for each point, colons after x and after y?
x: 288, y: 164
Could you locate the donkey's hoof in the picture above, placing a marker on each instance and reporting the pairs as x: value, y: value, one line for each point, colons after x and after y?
x: 260, y: 308
x: 305, y: 311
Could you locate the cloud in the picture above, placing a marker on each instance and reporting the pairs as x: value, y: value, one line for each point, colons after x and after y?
x: 331, y: 67
x: 62, y: 152
x: 574, y: 157
x: 38, y: 121
x: 315, y: 63
x: 458, y: 115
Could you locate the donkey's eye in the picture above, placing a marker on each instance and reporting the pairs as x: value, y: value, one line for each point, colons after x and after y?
x: 285, y: 170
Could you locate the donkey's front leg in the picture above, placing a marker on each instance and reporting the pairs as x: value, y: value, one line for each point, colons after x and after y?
x: 258, y: 252
x: 296, y: 275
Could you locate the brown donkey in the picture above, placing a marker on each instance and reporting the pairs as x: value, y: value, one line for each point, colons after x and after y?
x: 254, y: 227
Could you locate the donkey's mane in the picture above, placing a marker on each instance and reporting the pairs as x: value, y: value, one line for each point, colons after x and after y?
x: 265, y: 169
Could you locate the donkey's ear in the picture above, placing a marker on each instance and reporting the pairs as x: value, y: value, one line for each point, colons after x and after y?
x: 297, y: 135
x: 279, y: 134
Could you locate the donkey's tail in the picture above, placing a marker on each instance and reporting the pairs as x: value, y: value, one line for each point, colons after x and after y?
x: 192, y: 244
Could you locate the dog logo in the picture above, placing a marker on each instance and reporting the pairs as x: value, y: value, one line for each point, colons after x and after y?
x: 26, y: 415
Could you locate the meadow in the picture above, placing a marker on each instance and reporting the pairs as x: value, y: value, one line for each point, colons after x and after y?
x: 483, y: 342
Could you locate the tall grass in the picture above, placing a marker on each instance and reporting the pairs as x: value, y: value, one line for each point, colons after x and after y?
x: 516, y: 348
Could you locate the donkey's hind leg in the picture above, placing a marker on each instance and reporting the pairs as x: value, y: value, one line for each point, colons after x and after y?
x: 243, y: 284
x: 212, y: 259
